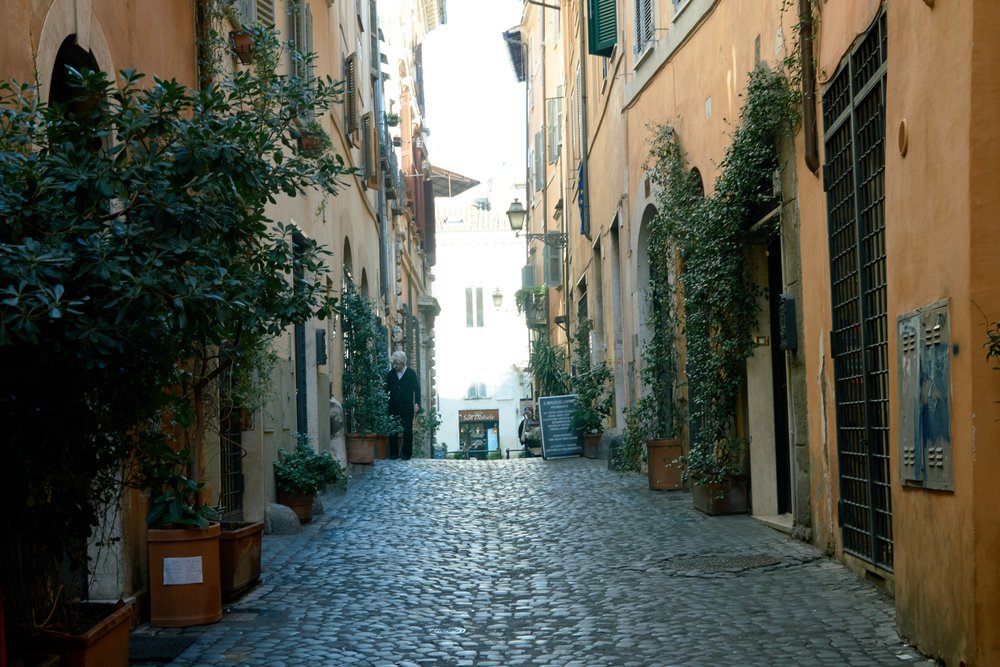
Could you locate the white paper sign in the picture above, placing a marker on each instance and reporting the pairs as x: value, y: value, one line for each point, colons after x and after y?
x: 178, y: 571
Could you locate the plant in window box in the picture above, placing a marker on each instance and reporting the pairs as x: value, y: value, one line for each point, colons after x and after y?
x: 593, y: 386
x: 313, y: 139
x: 526, y: 298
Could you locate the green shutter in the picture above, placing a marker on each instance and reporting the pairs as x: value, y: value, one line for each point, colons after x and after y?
x: 602, y: 27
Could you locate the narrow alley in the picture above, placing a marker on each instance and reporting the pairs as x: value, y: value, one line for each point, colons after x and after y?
x: 534, y: 562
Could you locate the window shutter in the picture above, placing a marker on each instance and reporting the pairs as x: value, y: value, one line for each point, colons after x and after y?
x: 350, y: 94
x: 308, y: 30
x: 366, y: 148
x: 479, y: 306
x: 531, y: 167
x: 247, y: 10
x: 528, y: 275
x: 373, y: 32
x: 551, y: 115
x: 265, y: 12
x: 602, y: 27
x: 553, y: 265
x: 579, y: 138
x: 468, y: 306
x: 643, y: 24
x: 539, y: 161
x: 559, y: 117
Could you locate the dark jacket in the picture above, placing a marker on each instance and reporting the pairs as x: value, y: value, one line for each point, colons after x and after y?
x: 403, y: 392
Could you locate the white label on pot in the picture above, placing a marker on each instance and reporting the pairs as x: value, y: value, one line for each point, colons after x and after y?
x: 178, y: 571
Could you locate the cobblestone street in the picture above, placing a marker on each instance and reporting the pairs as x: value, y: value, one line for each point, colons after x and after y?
x: 532, y: 562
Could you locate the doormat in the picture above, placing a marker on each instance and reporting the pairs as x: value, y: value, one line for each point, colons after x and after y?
x: 156, y: 649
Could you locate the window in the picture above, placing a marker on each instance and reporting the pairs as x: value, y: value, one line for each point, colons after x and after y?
x: 477, y: 390
x: 553, y: 265
x: 643, y: 25
x: 369, y: 146
x: 373, y: 32
x: 539, y: 161
x: 602, y: 25
x: 350, y: 95
x: 301, y: 32
x: 473, y: 307
x: 256, y: 11
x: 553, y: 116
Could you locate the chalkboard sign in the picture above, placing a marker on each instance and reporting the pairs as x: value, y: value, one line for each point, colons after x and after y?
x: 559, y: 438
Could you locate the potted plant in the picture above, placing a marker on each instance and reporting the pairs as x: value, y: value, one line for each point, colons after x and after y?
x: 116, y: 357
x: 392, y: 119
x: 239, y: 557
x: 301, y: 474
x: 593, y: 386
x: 182, y: 542
x: 532, y: 302
x: 313, y: 139
x: 366, y: 405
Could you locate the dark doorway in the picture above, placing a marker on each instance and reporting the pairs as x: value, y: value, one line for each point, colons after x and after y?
x: 779, y: 378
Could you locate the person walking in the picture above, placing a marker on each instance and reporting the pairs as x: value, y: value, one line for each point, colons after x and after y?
x: 403, y: 387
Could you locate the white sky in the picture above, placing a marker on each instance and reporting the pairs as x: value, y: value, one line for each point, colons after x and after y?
x: 474, y: 104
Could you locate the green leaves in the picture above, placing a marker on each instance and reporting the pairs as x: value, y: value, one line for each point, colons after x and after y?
x: 305, y: 471
x: 592, y: 383
x: 710, y: 235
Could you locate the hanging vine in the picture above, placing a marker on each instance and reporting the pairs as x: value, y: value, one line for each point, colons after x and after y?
x: 711, y: 235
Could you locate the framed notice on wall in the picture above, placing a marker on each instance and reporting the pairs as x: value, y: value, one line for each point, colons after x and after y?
x: 559, y: 438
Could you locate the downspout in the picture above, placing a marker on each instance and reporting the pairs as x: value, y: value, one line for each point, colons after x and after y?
x: 810, y: 139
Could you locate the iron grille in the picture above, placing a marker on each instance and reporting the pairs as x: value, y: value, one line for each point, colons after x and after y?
x: 854, y: 113
x: 231, y: 496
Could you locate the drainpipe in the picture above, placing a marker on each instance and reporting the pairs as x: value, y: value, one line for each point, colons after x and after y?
x: 808, y: 86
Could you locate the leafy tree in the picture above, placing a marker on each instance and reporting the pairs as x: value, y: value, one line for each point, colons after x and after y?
x: 137, y: 263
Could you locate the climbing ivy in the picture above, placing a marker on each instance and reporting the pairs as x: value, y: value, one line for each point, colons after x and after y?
x: 711, y: 234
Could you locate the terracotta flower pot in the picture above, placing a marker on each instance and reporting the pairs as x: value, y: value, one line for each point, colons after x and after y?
x: 591, y: 444
x: 360, y: 448
x: 239, y: 559
x: 664, y: 474
x: 301, y: 504
x: 381, y: 446
x: 184, y: 582
x: 729, y: 497
x: 104, y: 644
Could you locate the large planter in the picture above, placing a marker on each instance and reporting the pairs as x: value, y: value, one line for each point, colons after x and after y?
x: 239, y: 559
x: 729, y: 497
x: 361, y: 448
x: 664, y: 473
x: 184, y: 582
x: 591, y: 444
x: 382, y: 446
x: 301, y: 504
x: 104, y: 644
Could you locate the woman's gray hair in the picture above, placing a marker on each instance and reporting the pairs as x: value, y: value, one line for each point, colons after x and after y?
x: 398, y: 355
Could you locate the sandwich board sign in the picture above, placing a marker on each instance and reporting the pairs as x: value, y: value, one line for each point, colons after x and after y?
x: 559, y: 438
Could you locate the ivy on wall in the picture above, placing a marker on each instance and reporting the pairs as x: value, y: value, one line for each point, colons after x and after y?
x: 710, y: 235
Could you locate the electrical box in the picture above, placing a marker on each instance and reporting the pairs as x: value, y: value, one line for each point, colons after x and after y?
x: 786, y: 323
x: 924, y: 363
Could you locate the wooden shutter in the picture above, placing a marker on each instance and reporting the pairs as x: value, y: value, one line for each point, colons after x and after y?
x: 247, y: 10
x: 539, y: 161
x: 373, y: 32
x: 553, y: 265
x: 350, y: 95
x: 265, y: 12
x: 551, y: 117
x: 643, y: 24
x: 602, y: 27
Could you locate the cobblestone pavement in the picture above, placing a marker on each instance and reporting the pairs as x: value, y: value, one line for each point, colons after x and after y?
x: 553, y: 563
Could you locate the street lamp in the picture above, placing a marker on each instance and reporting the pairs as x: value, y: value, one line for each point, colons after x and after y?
x: 497, y: 298
x: 516, y: 214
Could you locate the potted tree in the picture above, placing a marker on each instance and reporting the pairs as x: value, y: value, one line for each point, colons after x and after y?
x: 182, y: 542
x: 130, y: 311
x: 301, y: 474
x: 593, y: 387
x: 366, y: 405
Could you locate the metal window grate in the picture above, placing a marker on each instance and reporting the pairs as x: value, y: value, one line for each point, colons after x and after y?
x: 854, y: 113
x: 231, y: 495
